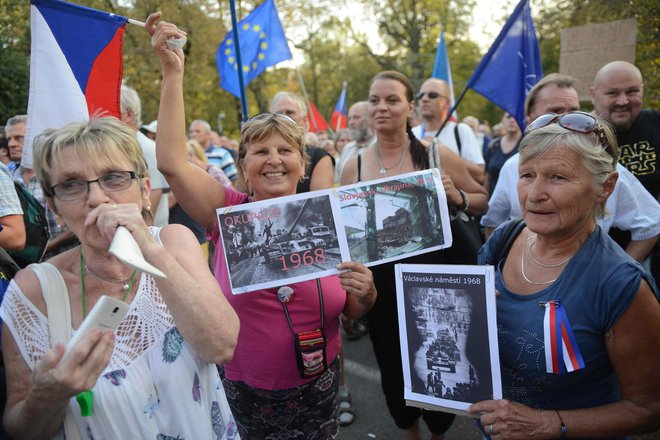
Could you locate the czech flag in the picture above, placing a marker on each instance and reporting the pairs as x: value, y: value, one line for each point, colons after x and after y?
x: 339, y: 119
x: 316, y: 121
x: 75, y: 66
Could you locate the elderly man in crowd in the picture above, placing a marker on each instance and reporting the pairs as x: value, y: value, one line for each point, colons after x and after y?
x: 360, y: 131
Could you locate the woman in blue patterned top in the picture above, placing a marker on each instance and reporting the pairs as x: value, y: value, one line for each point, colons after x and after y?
x: 578, y: 319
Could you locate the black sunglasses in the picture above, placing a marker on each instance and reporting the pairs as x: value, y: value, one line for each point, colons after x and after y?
x: 579, y: 122
x: 432, y: 95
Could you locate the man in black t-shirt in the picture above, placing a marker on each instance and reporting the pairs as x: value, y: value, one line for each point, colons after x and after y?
x: 617, y: 95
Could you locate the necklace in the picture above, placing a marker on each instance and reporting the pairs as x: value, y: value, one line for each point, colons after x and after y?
x: 522, y: 270
x: 383, y: 169
x: 128, y: 286
x: 531, y: 254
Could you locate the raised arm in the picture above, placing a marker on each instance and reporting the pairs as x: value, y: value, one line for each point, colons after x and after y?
x: 198, y: 193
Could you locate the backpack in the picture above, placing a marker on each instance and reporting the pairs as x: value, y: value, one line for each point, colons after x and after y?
x: 36, y: 229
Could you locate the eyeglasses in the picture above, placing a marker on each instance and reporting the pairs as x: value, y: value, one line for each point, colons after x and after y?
x: 432, y: 95
x: 77, y: 189
x: 266, y: 115
x: 579, y: 122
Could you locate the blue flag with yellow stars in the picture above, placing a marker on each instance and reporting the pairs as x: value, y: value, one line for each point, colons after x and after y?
x: 262, y: 42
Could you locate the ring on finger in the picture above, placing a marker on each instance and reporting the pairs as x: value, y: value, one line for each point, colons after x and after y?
x: 113, y: 206
x: 490, y: 428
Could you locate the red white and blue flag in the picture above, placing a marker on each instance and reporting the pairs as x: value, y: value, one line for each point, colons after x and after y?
x: 562, y: 353
x: 75, y: 66
x: 339, y: 118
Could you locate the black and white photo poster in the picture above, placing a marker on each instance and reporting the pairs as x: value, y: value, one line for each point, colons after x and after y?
x: 296, y: 238
x: 448, y: 333
x: 281, y: 241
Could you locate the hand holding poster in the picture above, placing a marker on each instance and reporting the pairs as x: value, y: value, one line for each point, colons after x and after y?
x: 291, y: 239
x: 448, y: 333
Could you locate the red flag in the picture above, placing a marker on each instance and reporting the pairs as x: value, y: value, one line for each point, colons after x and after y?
x: 316, y: 121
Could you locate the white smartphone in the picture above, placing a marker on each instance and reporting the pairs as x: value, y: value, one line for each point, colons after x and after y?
x: 106, y: 314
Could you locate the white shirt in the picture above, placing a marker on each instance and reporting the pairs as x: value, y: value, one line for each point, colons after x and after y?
x: 630, y: 207
x: 470, y: 147
x: 162, y: 211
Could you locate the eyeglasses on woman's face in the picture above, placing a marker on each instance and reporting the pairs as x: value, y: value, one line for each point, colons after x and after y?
x: 76, y: 189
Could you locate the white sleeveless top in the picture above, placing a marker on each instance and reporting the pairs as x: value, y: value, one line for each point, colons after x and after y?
x: 154, y: 387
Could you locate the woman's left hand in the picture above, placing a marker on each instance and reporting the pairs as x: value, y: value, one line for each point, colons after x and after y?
x: 109, y: 216
x: 504, y: 419
x: 358, y: 281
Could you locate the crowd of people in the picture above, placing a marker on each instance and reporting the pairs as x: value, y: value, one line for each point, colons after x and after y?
x: 569, y: 209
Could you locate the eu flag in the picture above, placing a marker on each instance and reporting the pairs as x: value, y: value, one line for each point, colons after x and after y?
x: 512, y: 65
x: 262, y: 42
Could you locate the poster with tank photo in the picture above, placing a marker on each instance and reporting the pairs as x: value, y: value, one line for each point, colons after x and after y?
x: 389, y: 219
x: 281, y: 241
x: 448, y: 333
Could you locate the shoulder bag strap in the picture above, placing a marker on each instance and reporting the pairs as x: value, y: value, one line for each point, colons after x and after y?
x: 509, y: 234
x: 458, y: 138
x: 56, y: 296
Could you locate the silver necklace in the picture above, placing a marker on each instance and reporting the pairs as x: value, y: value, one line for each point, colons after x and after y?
x: 522, y: 270
x: 383, y: 169
x: 125, y: 283
x: 531, y: 254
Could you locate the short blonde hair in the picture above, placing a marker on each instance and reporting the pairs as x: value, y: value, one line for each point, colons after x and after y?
x: 595, y: 158
x: 194, y: 147
x: 264, y: 126
x: 100, y: 137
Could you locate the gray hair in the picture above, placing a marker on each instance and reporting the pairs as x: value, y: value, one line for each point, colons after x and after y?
x: 595, y: 157
x: 201, y: 122
x: 302, y: 106
x: 15, y: 120
x: 130, y: 102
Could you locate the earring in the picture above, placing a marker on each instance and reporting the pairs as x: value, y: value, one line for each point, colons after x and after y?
x: 148, y: 208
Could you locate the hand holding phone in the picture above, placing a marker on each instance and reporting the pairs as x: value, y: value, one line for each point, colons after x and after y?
x: 106, y: 314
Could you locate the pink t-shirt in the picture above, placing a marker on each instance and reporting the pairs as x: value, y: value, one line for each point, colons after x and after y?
x: 265, y: 356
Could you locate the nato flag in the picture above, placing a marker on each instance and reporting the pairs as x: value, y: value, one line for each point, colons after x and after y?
x: 512, y: 65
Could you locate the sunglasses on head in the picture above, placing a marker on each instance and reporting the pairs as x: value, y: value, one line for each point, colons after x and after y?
x: 579, y: 122
x: 268, y: 115
x: 432, y: 95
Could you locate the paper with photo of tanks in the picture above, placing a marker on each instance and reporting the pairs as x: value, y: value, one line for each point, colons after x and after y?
x: 328, y: 218
x: 448, y: 334
x: 281, y: 241
x: 393, y: 218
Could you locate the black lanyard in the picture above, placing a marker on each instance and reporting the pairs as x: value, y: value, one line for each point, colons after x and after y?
x: 320, y: 292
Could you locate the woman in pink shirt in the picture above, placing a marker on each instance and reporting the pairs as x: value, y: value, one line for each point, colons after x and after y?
x: 263, y: 382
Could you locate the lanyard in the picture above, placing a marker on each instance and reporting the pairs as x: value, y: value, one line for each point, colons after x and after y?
x: 320, y: 292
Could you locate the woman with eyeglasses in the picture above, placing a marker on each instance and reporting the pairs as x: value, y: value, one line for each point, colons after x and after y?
x: 578, y: 319
x: 155, y: 376
x: 397, y: 151
x: 270, y: 393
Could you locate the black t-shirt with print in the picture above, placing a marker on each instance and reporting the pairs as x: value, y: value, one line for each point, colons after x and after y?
x: 640, y: 150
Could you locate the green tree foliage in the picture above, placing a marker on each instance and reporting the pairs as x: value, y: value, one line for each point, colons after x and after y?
x: 14, y: 58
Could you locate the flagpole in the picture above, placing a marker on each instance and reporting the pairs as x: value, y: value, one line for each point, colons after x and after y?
x: 485, y: 60
x: 309, y: 107
x: 239, y: 62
